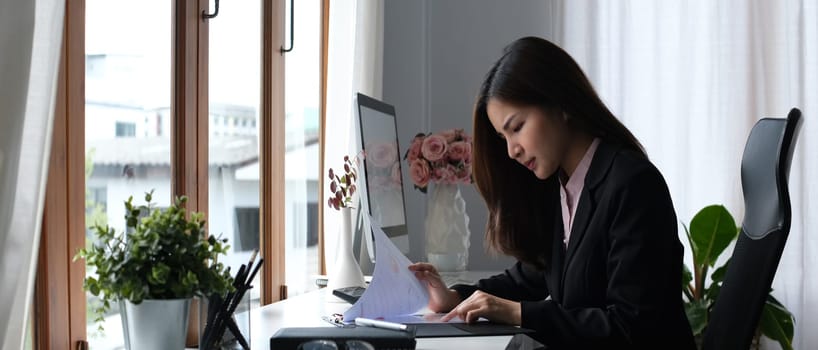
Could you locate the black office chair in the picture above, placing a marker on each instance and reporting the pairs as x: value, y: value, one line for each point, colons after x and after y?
x: 765, y: 169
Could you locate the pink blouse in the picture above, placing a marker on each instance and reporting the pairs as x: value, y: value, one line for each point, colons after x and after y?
x: 571, y: 191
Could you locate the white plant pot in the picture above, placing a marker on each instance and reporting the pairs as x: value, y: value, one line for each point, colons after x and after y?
x: 345, y: 272
x: 157, y: 324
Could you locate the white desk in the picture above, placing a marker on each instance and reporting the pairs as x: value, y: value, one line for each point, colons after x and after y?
x: 306, y: 311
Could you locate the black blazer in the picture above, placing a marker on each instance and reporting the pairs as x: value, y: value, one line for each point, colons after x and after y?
x: 618, y: 284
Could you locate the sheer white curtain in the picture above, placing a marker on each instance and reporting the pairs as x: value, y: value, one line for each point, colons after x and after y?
x: 690, y: 78
x: 30, y: 37
x: 355, y: 65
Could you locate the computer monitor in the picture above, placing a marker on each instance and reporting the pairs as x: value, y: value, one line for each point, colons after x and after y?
x: 383, y: 190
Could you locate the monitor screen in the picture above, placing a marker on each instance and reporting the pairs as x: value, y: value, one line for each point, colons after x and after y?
x: 382, y: 168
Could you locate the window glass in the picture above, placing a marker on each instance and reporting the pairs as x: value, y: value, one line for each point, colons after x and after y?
x: 302, y: 87
x: 234, y: 102
x: 127, y: 109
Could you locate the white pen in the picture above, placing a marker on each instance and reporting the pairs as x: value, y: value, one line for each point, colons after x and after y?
x: 367, y: 322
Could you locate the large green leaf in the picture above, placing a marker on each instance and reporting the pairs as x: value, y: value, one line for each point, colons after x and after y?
x: 777, y: 323
x: 687, y: 277
x: 713, y: 290
x: 718, y: 275
x: 711, y: 230
x: 697, y: 315
x: 693, y: 249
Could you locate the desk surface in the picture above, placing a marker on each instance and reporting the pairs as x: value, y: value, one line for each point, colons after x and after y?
x: 306, y: 310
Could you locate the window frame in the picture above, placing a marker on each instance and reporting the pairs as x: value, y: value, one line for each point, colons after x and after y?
x: 59, y: 301
x: 322, y: 115
x: 272, y: 155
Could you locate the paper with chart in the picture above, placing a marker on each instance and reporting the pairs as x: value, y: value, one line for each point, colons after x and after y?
x: 394, y: 290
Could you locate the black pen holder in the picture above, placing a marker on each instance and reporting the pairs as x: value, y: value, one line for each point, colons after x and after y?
x: 221, y: 330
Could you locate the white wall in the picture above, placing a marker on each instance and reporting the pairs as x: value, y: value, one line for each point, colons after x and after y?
x: 436, y: 54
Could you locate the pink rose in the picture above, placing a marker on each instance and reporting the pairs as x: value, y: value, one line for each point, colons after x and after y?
x: 467, y: 156
x: 438, y: 164
x: 396, y: 178
x: 464, y: 174
x: 434, y: 147
x: 449, y: 135
x: 420, y: 172
x: 414, y: 149
x: 382, y: 155
x: 453, y: 171
x: 459, y: 150
x: 444, y: 175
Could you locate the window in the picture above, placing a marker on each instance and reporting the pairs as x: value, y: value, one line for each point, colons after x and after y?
x: 96, y: 199
x: 125, y: 129
x: 233, y: 185
x: 126, y: 84
x: 302, y: 81
x: 247, y: 228
x: 132, y: 76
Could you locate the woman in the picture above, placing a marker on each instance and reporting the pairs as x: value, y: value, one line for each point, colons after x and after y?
x: 573, y: 197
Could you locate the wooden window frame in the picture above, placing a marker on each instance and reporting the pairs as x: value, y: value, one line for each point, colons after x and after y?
x: 189, y: 98
x: 60, y: 306
x: 271, y: 157
x: 322, y: 115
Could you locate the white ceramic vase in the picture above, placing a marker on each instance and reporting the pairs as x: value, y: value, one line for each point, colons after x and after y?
x: 447, y: 229
x: 345, y: 272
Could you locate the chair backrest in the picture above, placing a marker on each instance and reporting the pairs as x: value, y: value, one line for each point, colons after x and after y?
x: 765, y: 169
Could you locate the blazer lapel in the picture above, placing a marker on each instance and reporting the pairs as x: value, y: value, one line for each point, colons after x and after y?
x: 600, y: 164
x: 585, y: 208
x: 557, y: 263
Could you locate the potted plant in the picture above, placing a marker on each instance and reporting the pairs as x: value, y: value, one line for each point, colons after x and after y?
x: 345, y: 272
x: 711, y: 231
x: 153, y: 270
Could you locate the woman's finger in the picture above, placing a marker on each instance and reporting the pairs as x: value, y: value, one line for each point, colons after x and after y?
x: 420, y: 275
x: 459, y: 311
x: 433, y: 279
x: 477, y: 301
x: 432, y: 273
x: 452, y: 314
x: 428, y: 277
x: 474, y: 315
x: 449, y: 316
x: 422, y: 266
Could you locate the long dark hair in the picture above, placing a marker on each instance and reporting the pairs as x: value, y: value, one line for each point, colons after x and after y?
x: 522, y: 208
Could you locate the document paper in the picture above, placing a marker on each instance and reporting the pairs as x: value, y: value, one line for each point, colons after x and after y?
x: 394, y: 290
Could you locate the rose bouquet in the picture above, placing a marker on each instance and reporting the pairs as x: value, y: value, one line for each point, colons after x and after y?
x: 443, y: 158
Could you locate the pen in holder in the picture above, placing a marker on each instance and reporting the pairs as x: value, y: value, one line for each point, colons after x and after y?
x: 225, y: 319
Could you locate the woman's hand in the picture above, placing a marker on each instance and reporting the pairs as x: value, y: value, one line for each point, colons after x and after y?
x: 441, y: 298
x: 481, y: 304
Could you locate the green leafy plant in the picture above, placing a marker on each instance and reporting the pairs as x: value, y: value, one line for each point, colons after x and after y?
x: 162, y: 255
x: 711, y: 231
